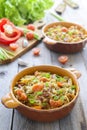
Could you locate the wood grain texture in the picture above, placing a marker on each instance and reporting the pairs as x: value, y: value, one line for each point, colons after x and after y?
x: 77, y: 119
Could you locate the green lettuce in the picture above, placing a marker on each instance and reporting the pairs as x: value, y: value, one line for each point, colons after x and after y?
x: 24, y: 11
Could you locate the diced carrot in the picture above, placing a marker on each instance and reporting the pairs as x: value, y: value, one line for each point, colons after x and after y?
x: 44, y: 79
x: 37, y: 107
x: 59, y: 84
x: 56, y: 103
x: 37, y: 87
x: 23, y: 97
x: 19, y: 92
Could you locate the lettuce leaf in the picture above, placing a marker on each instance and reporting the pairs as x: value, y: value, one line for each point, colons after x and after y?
x: 24, y: 11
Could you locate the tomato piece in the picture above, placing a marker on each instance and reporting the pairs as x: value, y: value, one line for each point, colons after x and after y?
x: 36, y: 51
x: 37, y: 87
x: 63, y: 59
x: 23, y: 97
x: 8, y: 32
x: 55, y: 104
x: 31, y: 27
x: 19, y: 92
x: 30, y: 35
x: 13, y: 46
x: 64, y: 29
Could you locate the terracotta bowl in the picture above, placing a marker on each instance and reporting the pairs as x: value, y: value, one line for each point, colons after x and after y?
x: 63, y: 47
x: 10, y: 101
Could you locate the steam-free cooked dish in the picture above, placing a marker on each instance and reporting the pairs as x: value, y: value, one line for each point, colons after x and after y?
x: 66, y: 34
x: 44, y: 90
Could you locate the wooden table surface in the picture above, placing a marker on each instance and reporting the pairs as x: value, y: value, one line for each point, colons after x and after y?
x: 10, y: 119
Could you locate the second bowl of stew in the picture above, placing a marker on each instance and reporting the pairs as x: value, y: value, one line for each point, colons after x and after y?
x: 64, y: 37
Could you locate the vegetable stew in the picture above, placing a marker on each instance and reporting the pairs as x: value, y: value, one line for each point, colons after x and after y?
x: 44, y: 90
x: 70, y: 34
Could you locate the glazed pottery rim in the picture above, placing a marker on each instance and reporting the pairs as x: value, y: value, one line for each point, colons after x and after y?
x: 46, y: 110
x: 59, y: 42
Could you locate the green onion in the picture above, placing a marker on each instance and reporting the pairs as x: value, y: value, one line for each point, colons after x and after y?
x: 56, y: 98
x: 57, y: 16
x: 47, y: 84
x: 5, y: 54
x: 73, y: 87
x: 39, y: 93
x: 32, y: 101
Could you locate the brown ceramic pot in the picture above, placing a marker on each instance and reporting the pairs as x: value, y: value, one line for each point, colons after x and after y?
x: 10, y: 101
x: 63, y: 47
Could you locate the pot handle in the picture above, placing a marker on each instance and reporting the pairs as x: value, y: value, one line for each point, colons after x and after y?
x: 8, y: 101
x: 75, y: 72
x: 49, y: 41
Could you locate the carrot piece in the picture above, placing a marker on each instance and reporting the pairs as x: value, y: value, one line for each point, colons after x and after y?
x: 56, y: 103
x: 37, y: 87
x: 23, y: 97
x: 63, y: 59
x: 19, y: 92
x: 44, y: 79
x: 59, y: 84
x: 37, y: 107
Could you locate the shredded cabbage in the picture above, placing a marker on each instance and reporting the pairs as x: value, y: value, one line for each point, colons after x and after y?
x: 24, y: 11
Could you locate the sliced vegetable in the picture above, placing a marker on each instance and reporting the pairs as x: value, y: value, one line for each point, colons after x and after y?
x: 36, y: 51
x: 8, y: 32
x: 5, y: 54
x: 13, y: 46
x: 63, y: 59
x: 57, y: 103
x: 57, y: 16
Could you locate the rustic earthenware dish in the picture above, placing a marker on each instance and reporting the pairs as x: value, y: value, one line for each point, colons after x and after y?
x: 63, y: 47
x: 10, y: 101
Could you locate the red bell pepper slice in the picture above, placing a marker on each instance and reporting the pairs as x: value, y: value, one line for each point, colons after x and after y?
x: 5, y: 39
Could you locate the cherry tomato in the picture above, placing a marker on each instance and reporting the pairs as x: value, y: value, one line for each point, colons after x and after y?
x: 64, y: 29
x: 36, y: 51
x: 30, y: 35
x: 13, y: 46
x: 31, y: 27
x: 63, y: 59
